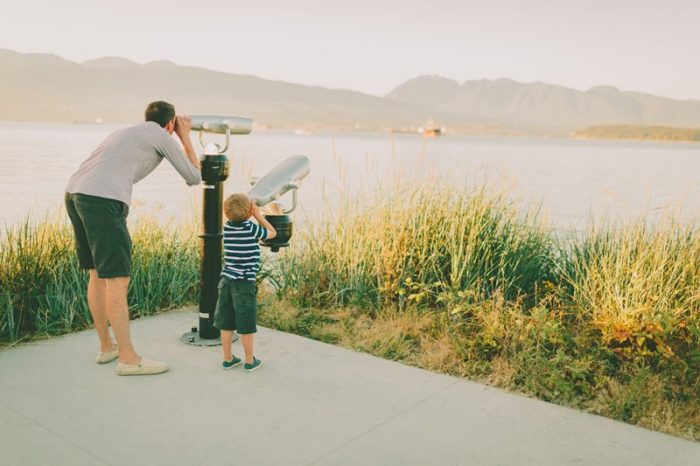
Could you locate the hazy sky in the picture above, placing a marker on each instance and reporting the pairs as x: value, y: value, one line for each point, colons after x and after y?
x: 374, y: 45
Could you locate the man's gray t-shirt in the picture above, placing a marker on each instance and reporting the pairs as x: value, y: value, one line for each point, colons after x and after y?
x: 126, y: 157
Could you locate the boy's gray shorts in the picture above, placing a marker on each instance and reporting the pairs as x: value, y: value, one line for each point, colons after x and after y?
x: 237, y: 306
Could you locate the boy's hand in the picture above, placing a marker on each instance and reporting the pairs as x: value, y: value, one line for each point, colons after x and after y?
x: 255, y: 210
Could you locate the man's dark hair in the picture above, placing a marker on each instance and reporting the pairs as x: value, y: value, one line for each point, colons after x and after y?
x: 161, y: 112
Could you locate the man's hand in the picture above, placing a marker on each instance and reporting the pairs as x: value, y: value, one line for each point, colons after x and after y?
x: 183, y: 126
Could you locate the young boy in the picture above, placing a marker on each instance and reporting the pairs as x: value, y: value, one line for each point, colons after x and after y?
x: 236, y: 308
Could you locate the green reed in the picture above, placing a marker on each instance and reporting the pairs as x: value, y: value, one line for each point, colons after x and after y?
x: 43, y: 290
x: 637, y: 286
x: 416, y: 245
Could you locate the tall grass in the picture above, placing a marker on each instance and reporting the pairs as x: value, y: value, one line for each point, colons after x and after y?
x: 637, y: 287
x: 422, y: 245
x: 165, y: 267
x: 43, y: 290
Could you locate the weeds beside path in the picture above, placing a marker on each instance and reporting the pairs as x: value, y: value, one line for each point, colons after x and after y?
x: 634, y: 393
x: 465, y: 283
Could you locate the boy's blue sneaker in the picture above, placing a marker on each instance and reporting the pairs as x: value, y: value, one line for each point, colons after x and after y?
x: 252, y: 366
x: 226, y: 365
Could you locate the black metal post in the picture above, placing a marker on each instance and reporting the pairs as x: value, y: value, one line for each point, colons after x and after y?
x: 214, y: 173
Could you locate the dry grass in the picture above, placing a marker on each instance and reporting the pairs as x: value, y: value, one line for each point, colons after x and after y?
x: 417, y: 338
x: 644, y: 400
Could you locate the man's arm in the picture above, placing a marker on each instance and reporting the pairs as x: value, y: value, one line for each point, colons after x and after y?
x: 186, y: 163
x: 183, y: 126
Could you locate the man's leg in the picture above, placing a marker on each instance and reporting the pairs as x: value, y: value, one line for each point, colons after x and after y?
x: 96, y: 304
x: 96, y: 285
x: 117, y: 311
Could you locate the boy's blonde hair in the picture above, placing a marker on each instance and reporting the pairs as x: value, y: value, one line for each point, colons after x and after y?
x: 237, y: 207
x: 273, y: 209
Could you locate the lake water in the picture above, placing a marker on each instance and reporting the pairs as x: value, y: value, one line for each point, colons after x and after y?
x: 572, y: 180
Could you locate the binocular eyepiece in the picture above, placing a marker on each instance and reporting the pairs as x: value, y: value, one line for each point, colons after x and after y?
x: 284, y: 177
x: 221, y: 123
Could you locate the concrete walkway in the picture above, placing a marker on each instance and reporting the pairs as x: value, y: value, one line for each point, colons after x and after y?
x: 310, y: 403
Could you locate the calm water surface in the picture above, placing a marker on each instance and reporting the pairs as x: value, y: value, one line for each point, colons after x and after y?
x: 573, y: 181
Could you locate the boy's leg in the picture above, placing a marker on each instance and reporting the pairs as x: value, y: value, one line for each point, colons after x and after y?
x: 96, y: 304
x: 246, y: 309
x: 226, y: 337
x: 224, y: 317
x: 247, y: 342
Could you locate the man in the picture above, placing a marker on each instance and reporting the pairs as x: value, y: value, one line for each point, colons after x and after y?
x: 97, y: 199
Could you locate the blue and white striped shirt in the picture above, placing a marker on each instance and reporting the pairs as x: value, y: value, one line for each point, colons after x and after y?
x: 241, y: 250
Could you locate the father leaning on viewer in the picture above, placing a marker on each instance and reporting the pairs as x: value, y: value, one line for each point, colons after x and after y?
x: 97, y: 199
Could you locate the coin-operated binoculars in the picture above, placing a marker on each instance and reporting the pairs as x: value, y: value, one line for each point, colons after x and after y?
x: 286, y: 176
x: 215, y: 169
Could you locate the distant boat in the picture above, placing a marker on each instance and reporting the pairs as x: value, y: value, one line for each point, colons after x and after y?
x: 431, y: 131
x: 302, y: 132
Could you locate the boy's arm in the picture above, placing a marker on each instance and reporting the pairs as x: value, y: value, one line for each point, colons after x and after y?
x: 271, y: 233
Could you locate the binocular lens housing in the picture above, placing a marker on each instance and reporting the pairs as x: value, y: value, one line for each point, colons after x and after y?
x: 220, y: 123
x: 285, y: 176
x: 283, y: 226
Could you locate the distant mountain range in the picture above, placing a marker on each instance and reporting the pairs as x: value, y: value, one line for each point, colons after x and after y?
x: 541, y: 107
x: 42, y: 87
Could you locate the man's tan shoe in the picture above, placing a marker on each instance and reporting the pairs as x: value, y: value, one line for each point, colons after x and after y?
x: 107, y: 356
x: 145, y: 367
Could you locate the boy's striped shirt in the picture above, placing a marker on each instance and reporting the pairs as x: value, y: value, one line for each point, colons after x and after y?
x: 241, y: 250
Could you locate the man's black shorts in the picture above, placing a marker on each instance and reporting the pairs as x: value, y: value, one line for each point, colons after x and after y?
x: 237, y: 306
x: 101, y: 237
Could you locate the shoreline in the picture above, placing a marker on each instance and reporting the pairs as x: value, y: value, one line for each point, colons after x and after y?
x: 309, y: 131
